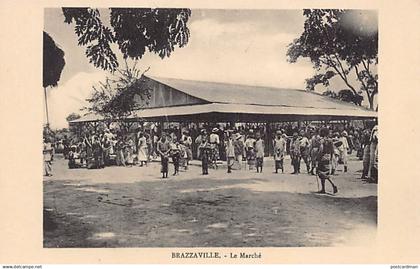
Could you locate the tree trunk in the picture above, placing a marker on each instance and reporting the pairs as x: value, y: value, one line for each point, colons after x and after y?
x: 370, y: 99
x: 46, y: 106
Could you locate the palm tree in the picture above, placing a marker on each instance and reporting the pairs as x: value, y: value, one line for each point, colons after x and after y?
x: 53, y: 64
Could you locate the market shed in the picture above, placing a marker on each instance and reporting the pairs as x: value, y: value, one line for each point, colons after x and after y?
x: 178, y: 100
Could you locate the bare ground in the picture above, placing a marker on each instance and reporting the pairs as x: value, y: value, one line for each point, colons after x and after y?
x: 133, y: 207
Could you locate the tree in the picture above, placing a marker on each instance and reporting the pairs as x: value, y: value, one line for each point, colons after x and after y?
x: 336, y: 47
x: 120, y: 96
x: 134, y: 30
x: 53, y: 64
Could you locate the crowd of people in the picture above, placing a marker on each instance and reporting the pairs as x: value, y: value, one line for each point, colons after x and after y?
x: 320, y: 149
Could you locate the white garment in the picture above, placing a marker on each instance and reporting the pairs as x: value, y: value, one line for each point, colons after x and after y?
x: 142, y: 153
x: 249, y: 142
x: 279, y: 148
x: 186, y: 140
x: 230, y: 149
x: 214, y: 139
x: 304, y: 142
x: 345, y: 145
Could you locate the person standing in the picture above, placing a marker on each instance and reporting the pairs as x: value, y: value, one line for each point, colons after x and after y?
x: 96, y: 152
x: 89, y: 152
x: 204, y: 154
x: 66, y: 146
x: 249, y: 146
x: 214, y: 141
x: 163, y: 149
x: 336, y: 152
x: 230, y: 152
x: 120, y: 149
x: 344, y: 148
x: 314, y: 144
x: 304, y: 150
x: 324, y: 158
x: 107, y: 147
x: 129, y: 151
x: 279, y: 151
x: 175, y: 154
x: 239, y: 145
x: 47, y: 154
x: 295, y: 153
x: 82, y: 148
x: 366, y: 153
x: 187, y: 142
x: 142, y: 149
x: 373, y: 154
x: 198, y: 141
x: 259, y: 153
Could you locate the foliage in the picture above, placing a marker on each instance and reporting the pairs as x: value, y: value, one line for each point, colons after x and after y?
x: 319, y: 79
x: 121, y: 95
x: 53, y: 62
x: 345, y: 95
x: 135, y: 30
x: 336, y: 47
x: 73, y: 116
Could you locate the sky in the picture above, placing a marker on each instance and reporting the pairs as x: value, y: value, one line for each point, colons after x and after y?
x: 233, y: 46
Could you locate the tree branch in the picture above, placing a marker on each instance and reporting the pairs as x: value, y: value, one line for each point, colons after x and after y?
x: 341, y: 66
x: 343, y: 77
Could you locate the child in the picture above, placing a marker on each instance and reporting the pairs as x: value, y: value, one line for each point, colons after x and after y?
x: 259, y: 152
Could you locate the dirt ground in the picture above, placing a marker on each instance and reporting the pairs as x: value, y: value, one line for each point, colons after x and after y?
x: 134, y: 207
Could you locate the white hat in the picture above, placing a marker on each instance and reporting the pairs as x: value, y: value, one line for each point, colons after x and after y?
x: 215, y: 130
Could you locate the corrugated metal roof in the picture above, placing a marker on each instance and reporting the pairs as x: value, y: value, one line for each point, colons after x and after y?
x: 250, y: 109
x: 216, y: 92
x: 267, y: 102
